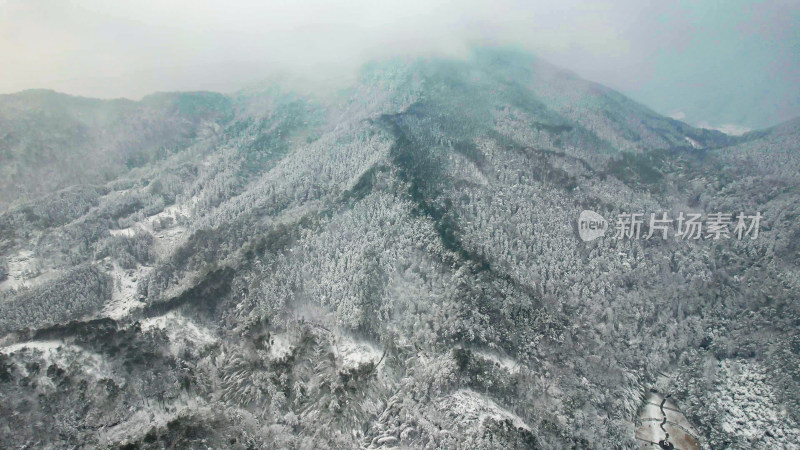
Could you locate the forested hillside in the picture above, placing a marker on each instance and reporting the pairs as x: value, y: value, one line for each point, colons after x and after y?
x: 397, y: 265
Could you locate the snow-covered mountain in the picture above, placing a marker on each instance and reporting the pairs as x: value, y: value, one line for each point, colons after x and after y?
x: 395, y: 265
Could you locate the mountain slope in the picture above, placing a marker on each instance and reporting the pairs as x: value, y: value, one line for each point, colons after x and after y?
x: 399, y: 266
x: 49, y: 141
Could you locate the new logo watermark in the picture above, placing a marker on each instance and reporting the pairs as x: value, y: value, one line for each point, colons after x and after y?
x: 591, y: 225
x: 687, y: 226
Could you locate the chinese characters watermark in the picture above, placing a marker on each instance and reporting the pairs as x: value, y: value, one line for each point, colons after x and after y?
x: 689, y: 226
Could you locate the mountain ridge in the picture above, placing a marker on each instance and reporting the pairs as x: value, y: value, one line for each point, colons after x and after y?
x: 166, y: 106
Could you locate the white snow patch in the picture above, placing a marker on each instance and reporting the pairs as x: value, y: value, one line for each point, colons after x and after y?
x: 169, y: 238
x: 503, y: 361
x: 471, y: 406
x: 65, y: 355
x: 124, y: 297
x: 165, y: 226
x: 692, y: 142
x: 281, y: 346
x: 42, y: 346
x: 180, y: 331
x: 175, y: 212
x: 23, y: 267
x: 148, y: 416
x: 352, y: 354
x: 127, y: 232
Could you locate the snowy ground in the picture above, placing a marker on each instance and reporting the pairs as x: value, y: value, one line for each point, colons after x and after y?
x: 64, y: 355
x: 127, y: 232
x: 25, y: 270
x: 352, y: 354
x: 170, y: 234
x: 181, y: 331
x: 42, y: 346
x: 150, y: 416
x: 692, y: 142
x: 124, y: 298
x: 474, y: 408
x: 505, y: 362
x: 281, y: 345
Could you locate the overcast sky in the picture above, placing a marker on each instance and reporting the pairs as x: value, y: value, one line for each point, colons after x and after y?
x: 713, y: 62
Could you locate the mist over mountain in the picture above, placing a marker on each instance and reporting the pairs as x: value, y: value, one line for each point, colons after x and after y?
x: 729, y: 65
x: 394, y: 265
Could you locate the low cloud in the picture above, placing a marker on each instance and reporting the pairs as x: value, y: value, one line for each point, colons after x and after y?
x: 129, y: 49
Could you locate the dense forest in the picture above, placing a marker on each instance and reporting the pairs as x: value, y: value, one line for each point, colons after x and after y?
x: 396, y: 265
